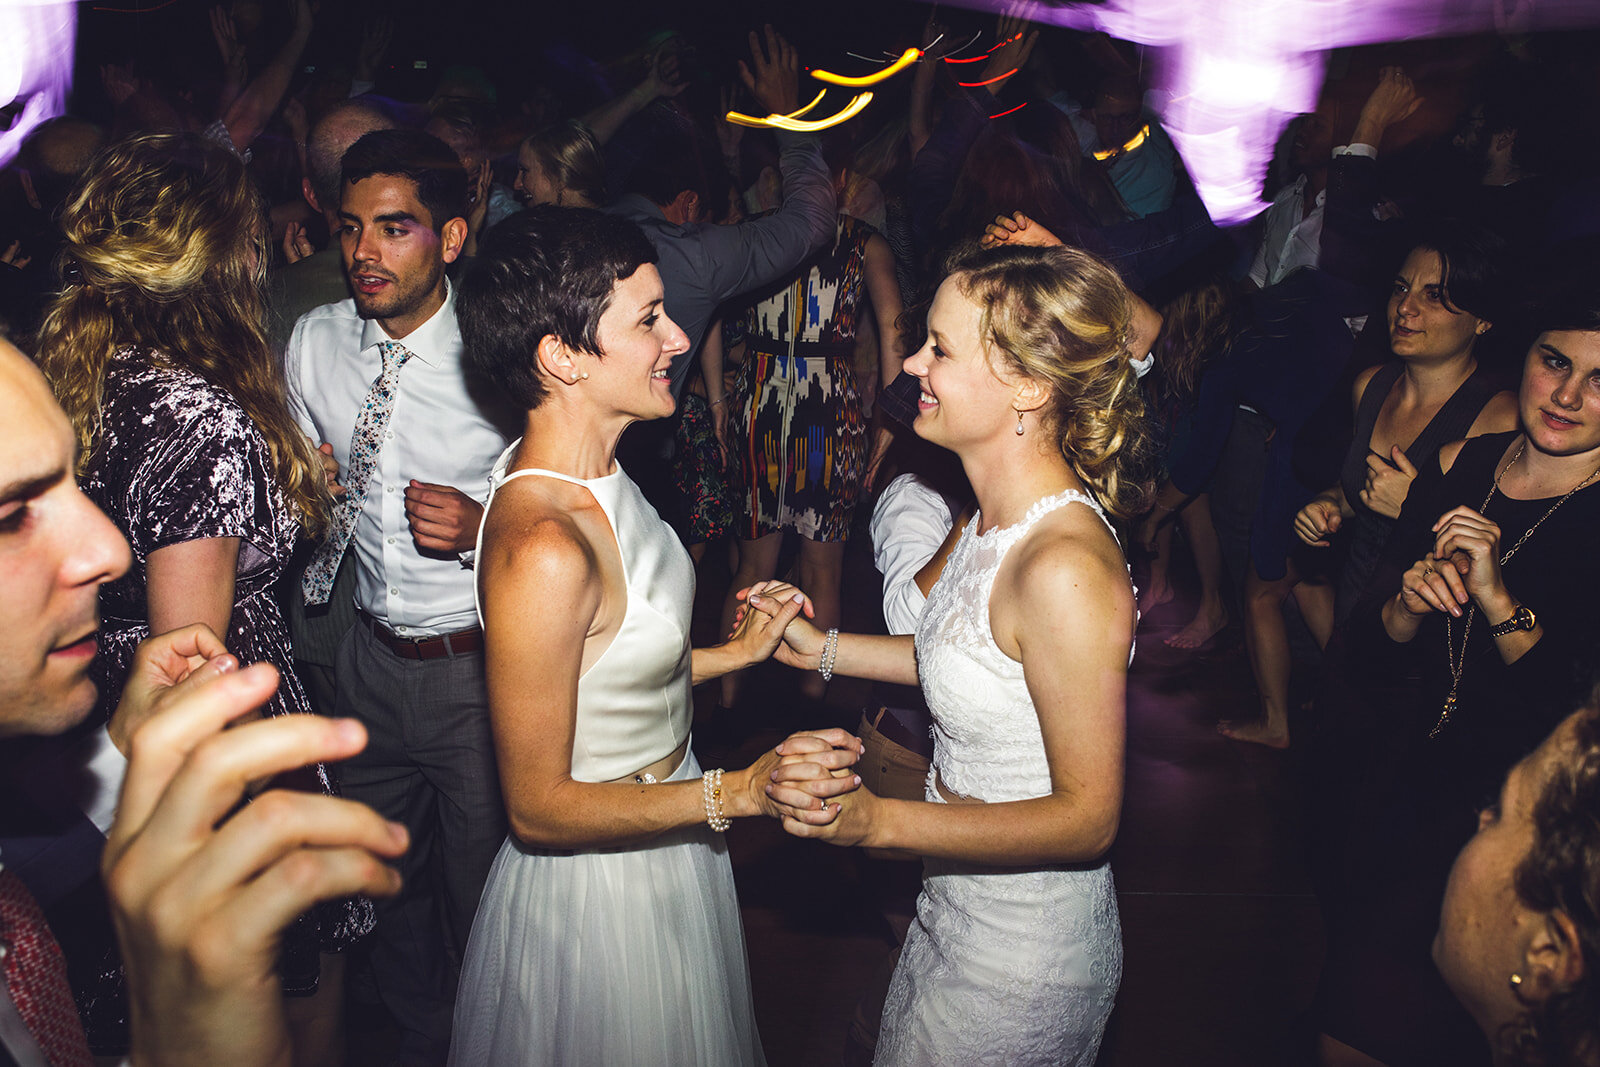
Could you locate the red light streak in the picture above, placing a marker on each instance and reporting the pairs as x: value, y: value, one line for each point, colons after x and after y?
x: 988, y: 81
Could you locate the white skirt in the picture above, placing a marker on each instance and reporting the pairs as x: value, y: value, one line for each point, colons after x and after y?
x: 609, y: 956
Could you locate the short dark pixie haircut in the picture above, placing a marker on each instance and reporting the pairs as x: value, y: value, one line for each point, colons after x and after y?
x: 426, y: 161
x: 547, y: 271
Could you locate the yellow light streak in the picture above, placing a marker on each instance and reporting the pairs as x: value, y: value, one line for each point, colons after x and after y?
x: 789, y: 122
x: 1111, y: 153
x: 908, y: 57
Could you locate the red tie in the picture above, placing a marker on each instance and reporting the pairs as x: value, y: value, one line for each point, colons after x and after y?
x: 36, y: 977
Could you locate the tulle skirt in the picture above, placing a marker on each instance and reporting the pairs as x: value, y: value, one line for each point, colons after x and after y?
x: 609, y: 956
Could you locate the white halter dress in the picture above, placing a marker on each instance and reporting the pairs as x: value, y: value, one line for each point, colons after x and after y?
x: 615, y: 956
x: 1003, y: 966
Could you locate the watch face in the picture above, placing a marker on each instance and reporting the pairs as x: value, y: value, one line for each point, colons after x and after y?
x: 1524, y: 618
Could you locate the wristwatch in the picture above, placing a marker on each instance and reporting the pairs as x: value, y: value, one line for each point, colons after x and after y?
x: 1521, y: 619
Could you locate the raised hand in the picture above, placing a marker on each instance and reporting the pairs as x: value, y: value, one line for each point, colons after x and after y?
x: 773, y: 76
x: 1017, y: 229
x: 199, y: 896
x: 375, y: 38
x: 1388, y: 482
x: 665, y: 77
x: 1394, y: 99
x: 1012, y: 55
x: 227, y: 38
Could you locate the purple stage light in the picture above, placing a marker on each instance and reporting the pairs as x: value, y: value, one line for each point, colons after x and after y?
x: 36, y: 40
x: 1235, y: 72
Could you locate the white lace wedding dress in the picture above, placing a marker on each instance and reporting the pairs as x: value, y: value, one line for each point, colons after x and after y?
x: 1003, y: 965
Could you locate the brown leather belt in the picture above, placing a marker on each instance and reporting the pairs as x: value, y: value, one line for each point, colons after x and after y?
x: 458, y: 643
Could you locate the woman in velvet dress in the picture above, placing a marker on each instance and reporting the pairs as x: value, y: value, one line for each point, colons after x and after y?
x: 157, y: 352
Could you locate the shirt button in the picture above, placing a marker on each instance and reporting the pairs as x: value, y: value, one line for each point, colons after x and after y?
x: 388, y: 489
x: 399, y: 629
x: 389, y: 435
x: 391, y: 540
x: 393, y: 591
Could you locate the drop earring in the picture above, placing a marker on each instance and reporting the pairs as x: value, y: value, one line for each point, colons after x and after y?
x: 1019, y: 423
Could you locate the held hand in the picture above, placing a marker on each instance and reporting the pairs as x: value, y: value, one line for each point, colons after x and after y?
x: 330, y: 467
x: 757, y: 634
x: 775, y: 82
x: 802, y: 642
x: 1017, y: 229
x: 442, y: 517
x: 1388, y: 482
x: 1317, y: 521
x: 1471, y: 543
x: 199, y: 897
x: 161, y: 663
x: 802, y: 777
x: 1430, y: 586
x: 297, y: 246
x: 853, y: 816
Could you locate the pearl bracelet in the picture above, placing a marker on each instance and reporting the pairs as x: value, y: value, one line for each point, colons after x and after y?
x: 711, y: 790
x: 830, y: 653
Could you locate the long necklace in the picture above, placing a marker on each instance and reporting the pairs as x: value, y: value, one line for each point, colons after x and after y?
x: 1458, y: 663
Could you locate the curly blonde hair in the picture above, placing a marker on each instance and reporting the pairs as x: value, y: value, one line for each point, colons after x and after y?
x: 165, y: 250
x: 1062, y: 317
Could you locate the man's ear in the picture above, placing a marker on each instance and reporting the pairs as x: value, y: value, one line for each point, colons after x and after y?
x: 684, y: 208
x: 311, y: 197
x: 453, y: 235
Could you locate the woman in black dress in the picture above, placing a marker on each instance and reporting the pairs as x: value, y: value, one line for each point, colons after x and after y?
x: 1495, y: 570
x: 157, y: 351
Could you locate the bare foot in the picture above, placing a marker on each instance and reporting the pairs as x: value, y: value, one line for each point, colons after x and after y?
x: 1201, y: 629
x: 1254, y: 732
x: 1154, y: 597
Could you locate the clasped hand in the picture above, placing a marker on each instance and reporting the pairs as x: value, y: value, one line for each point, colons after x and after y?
x: 1464, y: 567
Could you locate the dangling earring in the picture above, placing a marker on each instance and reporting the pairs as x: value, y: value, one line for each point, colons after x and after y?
x: 1516, y: 982
x: 1019, y: 423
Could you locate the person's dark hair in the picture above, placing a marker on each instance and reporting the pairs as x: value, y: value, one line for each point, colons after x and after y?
x: 56, y: 154
x: 1561, y: 872
x: 546, y: 271
x: 1533, y: 104
x: 1471, y: 262
x: 428, y: 162
x: 674, y: 167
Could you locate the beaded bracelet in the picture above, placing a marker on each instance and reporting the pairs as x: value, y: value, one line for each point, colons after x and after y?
x: 830, y: 652
x: 711, y: 790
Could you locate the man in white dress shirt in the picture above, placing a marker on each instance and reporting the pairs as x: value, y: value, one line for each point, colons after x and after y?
x: 412, y: 668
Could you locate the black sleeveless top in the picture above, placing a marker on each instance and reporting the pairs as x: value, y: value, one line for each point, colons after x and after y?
x: 1369, y: 530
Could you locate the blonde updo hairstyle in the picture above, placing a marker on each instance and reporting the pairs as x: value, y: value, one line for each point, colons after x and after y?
x: 1061, y: 317
x: 165, y: 252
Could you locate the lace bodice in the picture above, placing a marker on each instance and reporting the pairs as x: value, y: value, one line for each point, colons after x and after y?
x: 986, y: 737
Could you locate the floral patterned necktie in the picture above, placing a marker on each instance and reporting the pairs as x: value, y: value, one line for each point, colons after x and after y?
x: 35, y: 975
x: 372, y: 423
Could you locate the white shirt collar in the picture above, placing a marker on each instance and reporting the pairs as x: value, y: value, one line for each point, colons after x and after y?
x: 431, y: 342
